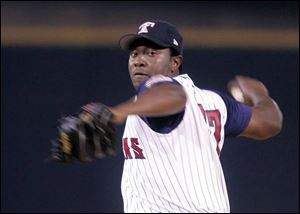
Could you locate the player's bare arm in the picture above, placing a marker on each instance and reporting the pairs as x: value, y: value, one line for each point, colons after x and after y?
x: 160, y: 100
x: 266, y: 120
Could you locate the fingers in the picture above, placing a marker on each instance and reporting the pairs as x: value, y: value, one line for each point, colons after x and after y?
x: 85, y: 116
x: 251, y: 86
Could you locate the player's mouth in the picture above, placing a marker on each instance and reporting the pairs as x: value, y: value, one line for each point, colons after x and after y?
x: 140, y: 76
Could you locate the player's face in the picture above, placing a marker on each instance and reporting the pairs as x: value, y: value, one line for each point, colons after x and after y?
x: 146, y: 61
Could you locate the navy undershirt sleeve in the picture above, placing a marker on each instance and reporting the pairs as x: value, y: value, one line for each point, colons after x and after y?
x: 163, y: 124
x: 238, y: 115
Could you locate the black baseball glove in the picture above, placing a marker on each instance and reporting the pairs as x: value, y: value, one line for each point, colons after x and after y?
x: 86, y: 137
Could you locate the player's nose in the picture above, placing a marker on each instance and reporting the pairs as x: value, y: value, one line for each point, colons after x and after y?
x: 139, y: 62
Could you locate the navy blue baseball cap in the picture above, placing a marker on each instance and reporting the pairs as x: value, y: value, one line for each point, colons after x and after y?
x: 161, y: 33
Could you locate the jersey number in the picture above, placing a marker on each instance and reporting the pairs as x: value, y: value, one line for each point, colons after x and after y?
x: 214, y: 121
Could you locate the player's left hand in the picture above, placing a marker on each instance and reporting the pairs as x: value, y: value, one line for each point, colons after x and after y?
x: 86, y: 137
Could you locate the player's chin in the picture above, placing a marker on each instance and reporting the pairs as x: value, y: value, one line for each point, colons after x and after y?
x: 137, y: 80
x: 136, y: 84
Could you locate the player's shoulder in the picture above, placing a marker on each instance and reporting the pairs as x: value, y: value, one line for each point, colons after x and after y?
x: 211, y: 93
x: 159, y: 78
x: 183, y: 78
x: 206, y: 97
x: 212, y: 97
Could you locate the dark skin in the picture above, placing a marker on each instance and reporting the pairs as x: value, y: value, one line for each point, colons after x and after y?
x: 144, y: 62
x: 266, y: 120
x: 167, y: 99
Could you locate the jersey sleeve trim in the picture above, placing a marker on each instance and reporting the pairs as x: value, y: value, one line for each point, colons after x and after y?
x: 238, y: 115
x: 155, y: 80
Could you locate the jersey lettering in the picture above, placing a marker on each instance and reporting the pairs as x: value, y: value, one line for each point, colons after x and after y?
x: 138, y: 152
x: 126, y: 149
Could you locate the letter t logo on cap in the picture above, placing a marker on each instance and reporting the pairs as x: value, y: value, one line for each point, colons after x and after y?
x: 143, y: 27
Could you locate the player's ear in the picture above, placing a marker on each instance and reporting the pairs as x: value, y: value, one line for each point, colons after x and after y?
x: 176, y: 62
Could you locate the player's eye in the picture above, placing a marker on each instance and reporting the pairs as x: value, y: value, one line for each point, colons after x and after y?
x: 151, y: 52
x: 133, y: 54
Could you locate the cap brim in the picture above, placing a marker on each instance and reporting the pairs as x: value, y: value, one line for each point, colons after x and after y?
x: 127, y: 40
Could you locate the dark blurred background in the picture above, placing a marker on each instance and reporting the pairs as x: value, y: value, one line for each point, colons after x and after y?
x: 57, y: 56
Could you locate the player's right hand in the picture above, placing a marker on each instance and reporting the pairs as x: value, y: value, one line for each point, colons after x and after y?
x: 247, y: 90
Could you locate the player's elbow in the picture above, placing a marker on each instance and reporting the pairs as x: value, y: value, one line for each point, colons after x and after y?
x: 262, y: 128
x: 265, y: 123
x: 274, y: 126
x: 268, y: 129
x: 268, y: 132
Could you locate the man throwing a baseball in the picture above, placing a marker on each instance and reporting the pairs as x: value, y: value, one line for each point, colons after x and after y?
x: 175, y: 131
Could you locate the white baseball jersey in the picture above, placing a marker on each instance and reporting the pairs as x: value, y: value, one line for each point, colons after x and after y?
x: 179, y: 171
